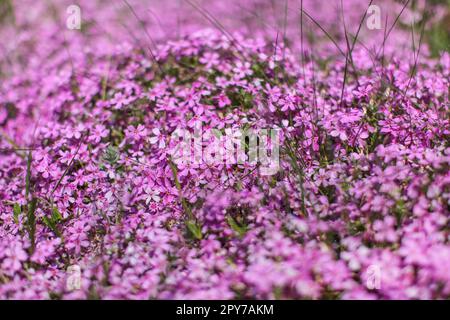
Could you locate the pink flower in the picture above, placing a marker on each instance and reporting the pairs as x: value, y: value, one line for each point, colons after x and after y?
x: 98, y: 133
x: 158, y: 137
x: 136, y: 133
x: 15, y: 255
x: 223, y: 100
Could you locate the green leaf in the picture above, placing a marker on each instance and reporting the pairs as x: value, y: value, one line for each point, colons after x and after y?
x: 184, y: 203
x: 6, y: 12
x: 17, y: 210
x: 56, y: 215
x: 400, y: 211
x: 195, y: 229
x: 234, y: 225
x: 278, y: 292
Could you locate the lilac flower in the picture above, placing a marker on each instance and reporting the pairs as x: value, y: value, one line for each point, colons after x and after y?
x: 14, y: 256
x: 136, y: 133
x: 89, y: 173
x: 98, y: 133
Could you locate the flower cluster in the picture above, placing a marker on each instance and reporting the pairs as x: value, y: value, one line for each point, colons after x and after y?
x: 359, y: 207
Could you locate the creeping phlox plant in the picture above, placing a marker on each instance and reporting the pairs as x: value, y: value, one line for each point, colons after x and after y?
x: 95, y: 204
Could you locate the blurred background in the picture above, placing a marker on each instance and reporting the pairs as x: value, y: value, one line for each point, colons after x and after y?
x: 32, y: 31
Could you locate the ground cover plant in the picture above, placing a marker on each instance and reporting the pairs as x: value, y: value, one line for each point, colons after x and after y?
x: 95, y: 205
